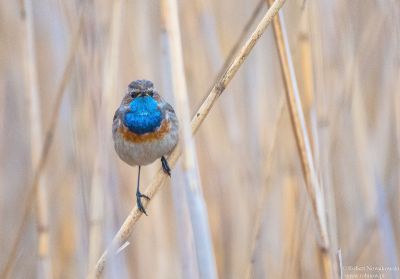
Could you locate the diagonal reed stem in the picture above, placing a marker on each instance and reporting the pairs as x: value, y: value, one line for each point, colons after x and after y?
x: 314, y: 190
x: 302, y: 140
x: 159, y: 179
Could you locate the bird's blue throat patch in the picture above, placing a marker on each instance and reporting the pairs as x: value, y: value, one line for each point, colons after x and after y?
x: 144, y: 115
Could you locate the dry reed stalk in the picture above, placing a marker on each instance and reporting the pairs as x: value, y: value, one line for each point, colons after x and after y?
x: 209, y: 31
x: 185, y: 232
x: 32, y: 190
x: 250, y: 22
x: 212, y: 44
x: 368, y: 230
x: 370, y: 37
x: 314, y: 190
x: 340, y: 263
x: 2, y: 108
x: 387, y: 236
x: 213, y: 49
x: 371, y: 172
x: 96, y: 212
x: 33, y: 101
x: 321, y: 159
x: 302, y: 223
x: 263, y: 195
x: 307, y: 79
x: 187, y: 258
x: 360, y: 121
x: 160, y: 177
x: 97, y: 195
x: 195, y: 200
x: 366, y: 233
x: 214, y: 52
x: 396, y: 103
x: 290, y: 207
x: 364, y: 156
x: 375, y: 207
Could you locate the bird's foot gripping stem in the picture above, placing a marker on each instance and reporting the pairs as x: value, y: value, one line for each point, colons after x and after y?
x: 139, y: 197
x: 165, y: 166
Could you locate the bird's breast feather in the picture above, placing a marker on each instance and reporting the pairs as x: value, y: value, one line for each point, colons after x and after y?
x: 159, y: 134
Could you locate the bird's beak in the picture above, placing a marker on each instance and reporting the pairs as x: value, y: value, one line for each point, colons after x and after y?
x: 143, y: 94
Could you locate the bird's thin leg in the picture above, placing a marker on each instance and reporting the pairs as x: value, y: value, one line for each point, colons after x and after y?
x: 140, y: 195
x: 165, y: 166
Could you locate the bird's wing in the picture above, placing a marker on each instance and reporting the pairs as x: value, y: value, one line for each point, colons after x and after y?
x: 168, y: 107
x: 116, y: 121
x: 116, y: 114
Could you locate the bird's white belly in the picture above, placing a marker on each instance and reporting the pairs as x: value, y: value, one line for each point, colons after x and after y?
x: 144, y: 153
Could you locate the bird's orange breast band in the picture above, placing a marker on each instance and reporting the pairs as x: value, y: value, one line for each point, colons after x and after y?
x: 136, y: 138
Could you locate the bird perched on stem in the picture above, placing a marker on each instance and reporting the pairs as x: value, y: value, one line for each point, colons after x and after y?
x: 144, y: 128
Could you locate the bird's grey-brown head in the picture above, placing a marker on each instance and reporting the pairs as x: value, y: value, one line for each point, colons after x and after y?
x: 140, y: 87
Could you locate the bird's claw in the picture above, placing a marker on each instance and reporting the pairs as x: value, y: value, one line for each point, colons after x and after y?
x: 139, y: 202
x: 165, y: 166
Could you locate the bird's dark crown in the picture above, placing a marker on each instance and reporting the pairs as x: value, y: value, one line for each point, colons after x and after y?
x: 141, y: 86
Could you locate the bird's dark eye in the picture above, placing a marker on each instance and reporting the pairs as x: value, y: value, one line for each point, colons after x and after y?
x: 134, y: 94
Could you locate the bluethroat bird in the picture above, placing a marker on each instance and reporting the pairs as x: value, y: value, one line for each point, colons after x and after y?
x: 145, y: 128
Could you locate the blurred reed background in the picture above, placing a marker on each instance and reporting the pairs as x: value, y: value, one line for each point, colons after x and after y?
x: 64, y: 67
